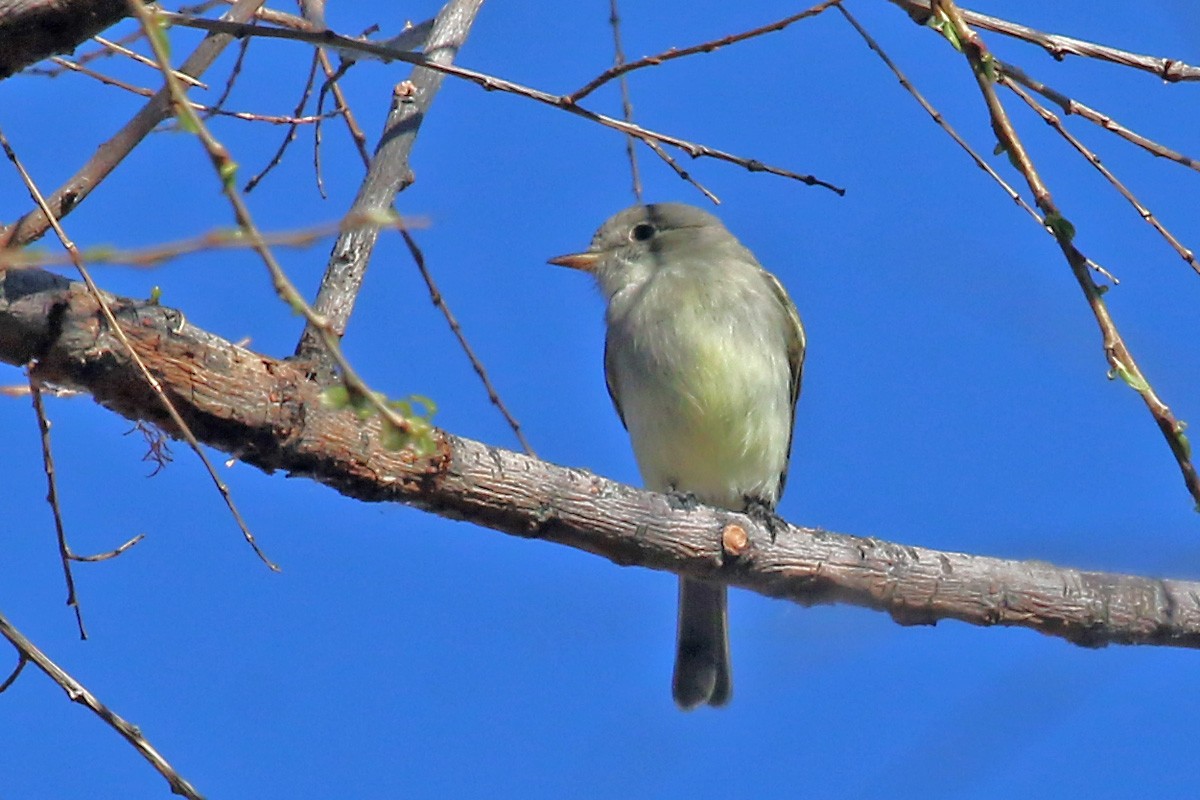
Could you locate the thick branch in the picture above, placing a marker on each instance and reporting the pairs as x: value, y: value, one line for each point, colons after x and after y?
x: 268, y: 414
x: 35, y: 29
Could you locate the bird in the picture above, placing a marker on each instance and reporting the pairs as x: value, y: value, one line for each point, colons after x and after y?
x: 703, y: 359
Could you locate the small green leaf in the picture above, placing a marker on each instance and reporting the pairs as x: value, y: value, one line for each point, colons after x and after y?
x: 1182, y: 438
x: 155, y: 295
x: 1136, y: 382
x: 1061, y: 227
x: 430, y: 406
x: 392, y: 437
x: 158, y: 32
x: 336, y: 397
x: 228, y: 171
x: 943, y: 26
x: 988, y: 61
x: 187, y: 123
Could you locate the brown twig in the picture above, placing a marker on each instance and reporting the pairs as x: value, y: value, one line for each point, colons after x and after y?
x: 617, y: 70
x: 16, y: 673
x: 78, y: 694
x: 614, y: 20
x: 121, y: 49
x: 343, y: 107
x: 1120, y: 359
x: 1050, y: 119
x: 937, y: 117
x: 119, y: 332
x: 1170, y: 70
x: 290, y: 136
x: 491, y: 83
x: 64, y: 549
x: 1071, y: 106
x: 220, y: 239
x: 111, y: 553
x: 141, y: 91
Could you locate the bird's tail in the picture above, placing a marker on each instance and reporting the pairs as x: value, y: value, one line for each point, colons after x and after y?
x: 702, y: 672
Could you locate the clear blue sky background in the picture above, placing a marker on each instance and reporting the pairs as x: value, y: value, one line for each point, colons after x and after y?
x: 955, y: 397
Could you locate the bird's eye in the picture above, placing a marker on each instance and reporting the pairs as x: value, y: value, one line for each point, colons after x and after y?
x: 641, y: 232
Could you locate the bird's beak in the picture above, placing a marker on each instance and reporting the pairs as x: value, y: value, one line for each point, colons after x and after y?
x: 580, y: 261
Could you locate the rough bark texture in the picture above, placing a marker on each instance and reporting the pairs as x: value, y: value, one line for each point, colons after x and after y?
x: 35, y: 29
x: 267, y: 413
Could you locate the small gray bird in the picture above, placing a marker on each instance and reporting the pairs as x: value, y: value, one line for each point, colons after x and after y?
x: 703, y: 361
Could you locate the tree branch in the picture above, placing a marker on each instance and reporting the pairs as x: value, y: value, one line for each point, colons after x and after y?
x: 267, y: 413
x: 35, y: 29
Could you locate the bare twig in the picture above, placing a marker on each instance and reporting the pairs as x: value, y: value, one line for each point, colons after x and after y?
x: 16, y: 673
x: 290, y: 136
x: 220, y: 239
x: 618, y: 70
x: 119, y: 332
x: 937, y: 116
x: 614, y: 20
x: 1071, y: 106
x: 953, y: 134
x: 121, y: 49
x: 111, y: 553
x: 208, y: 110
x: 1093, y: 159
x: 1169, y: 69
x: 491, y: 83
x: 64, y: 549
x: 78, y: 694
x: 1120, y: 359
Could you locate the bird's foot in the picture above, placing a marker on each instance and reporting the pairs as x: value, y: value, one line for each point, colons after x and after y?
x: 683, y: 501
x: 764, y: 514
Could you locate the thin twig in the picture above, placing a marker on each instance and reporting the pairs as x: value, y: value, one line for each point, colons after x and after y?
x: 1116, y: 352
x: 290, y: 136
x: 614, y: 20
x: 343, y: 107
x: 234, y: 73
x: 618, y: 70
x: 937, y: 116
x: 64, y: 549
x: 1170, y: 70
x: 953, y: 134
x: 1071, y: 106
x: 111, y: 553
x: 78, y: 694
x: 119, y: 332
x: 491, y: 83
x: 1050, y: 119
x: 121, y: 49
x: 208, y: 110
x: 16, y: 673
x: 220, y: 239
x: 680, y: 171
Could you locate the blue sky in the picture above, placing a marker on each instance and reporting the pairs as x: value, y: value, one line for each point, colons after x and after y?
x: 955, y: 397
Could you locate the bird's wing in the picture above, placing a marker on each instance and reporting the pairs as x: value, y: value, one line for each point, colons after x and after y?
x: 610, y: 380
x: 796, y: 344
